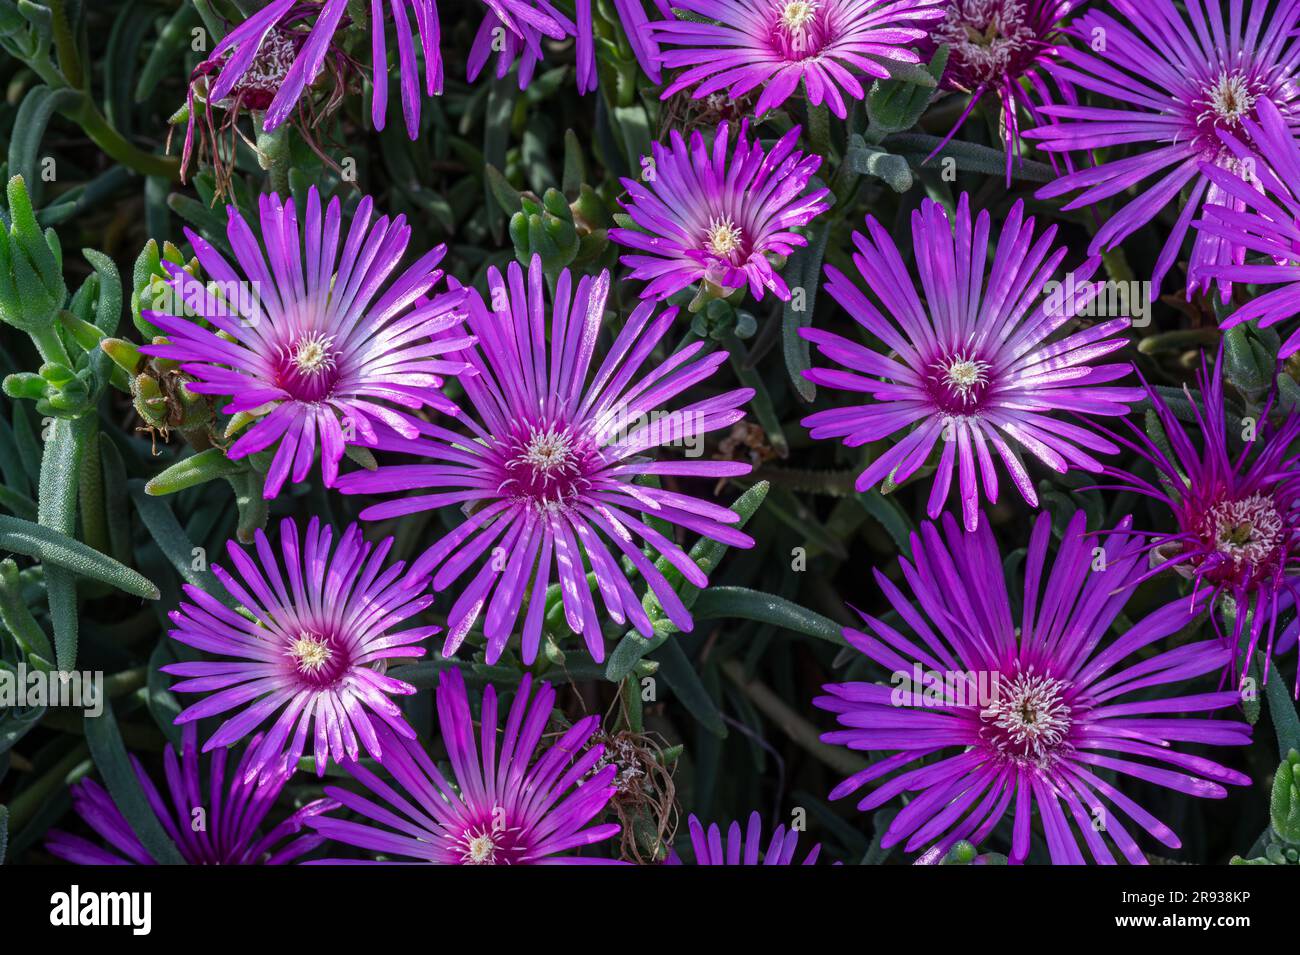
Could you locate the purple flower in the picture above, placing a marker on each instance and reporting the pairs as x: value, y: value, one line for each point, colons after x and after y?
x: 998, y: 47
x: 976, y: 366
x: 706, y: 216
x: 515, y: 29
x: 1263, y: 217
x: 743, y: 850
x: 231, y: 815
x: 261, y: 57
x: 636, y: 25
x: 310, y: 651
x: 319, y: 356
x: 1237, y: 514
x: 1173, y: 82
x: 555, y: 462
x: 504, y: 809
x: 826, y: 45
x: 985, y: 717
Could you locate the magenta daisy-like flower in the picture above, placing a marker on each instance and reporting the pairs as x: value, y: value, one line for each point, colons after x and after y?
x: 828, y: 46
x: 1043, y: 716
x: 502, y: 807
x: 555, y: 462
x: 746, y: 848
x: 1237, y: 514
x: 321, y: 352
x: 516, y: 29
x: 275, y: 65
x: 718, y: 218
x: 1262, y: 215
x: 998, y: 47
x: 1173, y: 81
x: 977, y: 365
x: 309, y: 649
x: 232, y: 815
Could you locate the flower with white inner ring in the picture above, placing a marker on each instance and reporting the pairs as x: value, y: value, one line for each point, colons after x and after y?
x: 1027, y: 719
x: 313, y: 354
x: 548, y: 451
x: 311, y: 653
x: 481, y: 850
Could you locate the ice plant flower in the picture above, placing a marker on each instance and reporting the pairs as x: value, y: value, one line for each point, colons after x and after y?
x: 743, y: 849
x: 719, y: 218
x: 1045, y: 718
x: 501, y: 807
x: 998, y: 47
x: 1237, y: 513
x: 1173, y: 81
x: 267, y: 57
x: 828, y: 46
x: 515, y: 30
x: 976, y: 364
x: 309, y: 651
x: 1261, y: 216
x: 232, y: 814
x: 550, y: 462
x: 305, y: 339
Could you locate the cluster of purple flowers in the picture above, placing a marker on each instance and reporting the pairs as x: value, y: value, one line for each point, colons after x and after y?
x: 975, y: 362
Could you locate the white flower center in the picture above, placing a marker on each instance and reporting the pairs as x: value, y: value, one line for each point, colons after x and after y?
x: 1229, y: 100
x: 311, y: 652
x: 1027, y: 718
x: 1248, y: 530
x: 723, y: 237
x: 797, y: 14
x: 313, y: 354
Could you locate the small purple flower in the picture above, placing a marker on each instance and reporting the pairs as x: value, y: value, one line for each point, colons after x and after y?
x: 1238, y: 514
x: 999, y: 47
x: 319, y: 356
x: 515, y: 30
x: 986, y: 717
x: 1261, y: 215
x: 1173, y: 82
x: 244, y: 58
x: 975, y: 365
x: 310, y: 649
x: 555, y: 462
x: 706, y: 216
x: 503, y: 809
x: 827, y: 45
x: 232, y: 815
x: 746, y: 849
